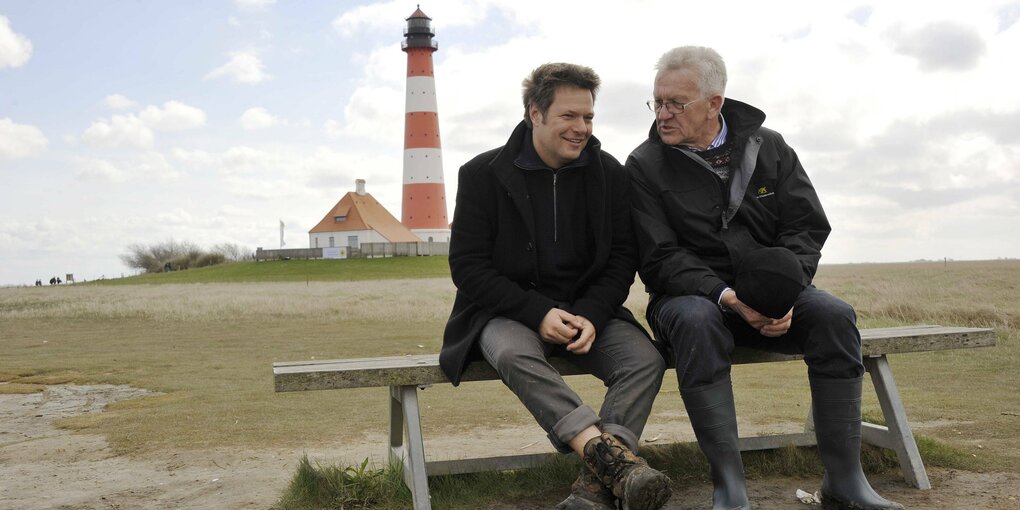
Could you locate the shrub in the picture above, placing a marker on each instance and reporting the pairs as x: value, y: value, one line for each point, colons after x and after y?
x: 174, y: 256
x: 209, y: 259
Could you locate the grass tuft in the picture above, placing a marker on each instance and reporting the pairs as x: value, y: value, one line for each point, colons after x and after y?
x: 939, y: 454
x: 343, y: 488
x: 474, y: 490
x: 321, y: 487
x: 349, y: 487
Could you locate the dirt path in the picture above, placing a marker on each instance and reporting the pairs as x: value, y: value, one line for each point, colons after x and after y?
x: 42, y: 467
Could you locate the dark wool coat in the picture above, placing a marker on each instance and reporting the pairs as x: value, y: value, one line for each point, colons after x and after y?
x: 494, y: 263
x: 692, y: 229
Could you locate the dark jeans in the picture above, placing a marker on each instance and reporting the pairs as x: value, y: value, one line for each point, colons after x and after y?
x: 621, y: 356
x: 700, y: 337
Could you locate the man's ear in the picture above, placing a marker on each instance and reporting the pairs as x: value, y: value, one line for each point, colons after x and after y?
x: 715, y: 104
x: 534, y: 115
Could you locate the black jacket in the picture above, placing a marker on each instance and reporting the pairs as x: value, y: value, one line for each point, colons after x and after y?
x: 692, y: 230
x: 493, y: 260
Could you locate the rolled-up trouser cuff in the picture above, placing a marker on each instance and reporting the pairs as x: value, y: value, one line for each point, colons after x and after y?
x: 623, y: 433
x: 571, y: 425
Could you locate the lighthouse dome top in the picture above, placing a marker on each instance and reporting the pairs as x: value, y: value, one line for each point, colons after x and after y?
x: 418, y: 14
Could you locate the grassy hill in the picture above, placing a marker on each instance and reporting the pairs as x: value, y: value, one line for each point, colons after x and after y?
x: 300, y: 271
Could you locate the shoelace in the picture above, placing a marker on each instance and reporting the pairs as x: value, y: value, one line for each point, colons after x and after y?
x: 611, y: 458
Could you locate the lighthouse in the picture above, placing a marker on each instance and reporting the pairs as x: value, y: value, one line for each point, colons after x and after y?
x: 423, y: 209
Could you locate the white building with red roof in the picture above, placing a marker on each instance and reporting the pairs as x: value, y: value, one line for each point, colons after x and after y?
x: 356, y: 219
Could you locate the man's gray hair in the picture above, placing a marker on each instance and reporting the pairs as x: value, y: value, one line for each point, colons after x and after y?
x: 704, y: 61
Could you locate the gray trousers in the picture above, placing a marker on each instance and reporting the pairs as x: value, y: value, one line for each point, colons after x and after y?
x: 621, y: 356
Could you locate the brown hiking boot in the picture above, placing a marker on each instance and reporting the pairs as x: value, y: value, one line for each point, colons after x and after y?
x: 632, y: 480
x: 588, y: 493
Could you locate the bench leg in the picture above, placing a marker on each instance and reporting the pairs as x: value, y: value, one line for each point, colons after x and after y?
x: 405, y: 416
x: 898, y: 435
x: 809, y: 422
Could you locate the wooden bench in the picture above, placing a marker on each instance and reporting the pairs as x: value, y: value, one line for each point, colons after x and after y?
x: 405, y: 375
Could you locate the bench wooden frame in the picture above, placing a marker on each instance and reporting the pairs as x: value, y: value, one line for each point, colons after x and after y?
x: 405, y: 375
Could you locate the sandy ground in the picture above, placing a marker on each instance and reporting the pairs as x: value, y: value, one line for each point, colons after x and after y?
x: 42, y: 467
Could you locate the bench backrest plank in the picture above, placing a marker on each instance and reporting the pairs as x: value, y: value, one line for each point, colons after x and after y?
x: 424, y: 369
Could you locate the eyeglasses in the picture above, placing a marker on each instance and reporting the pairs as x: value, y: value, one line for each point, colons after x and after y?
x: 673, y: 107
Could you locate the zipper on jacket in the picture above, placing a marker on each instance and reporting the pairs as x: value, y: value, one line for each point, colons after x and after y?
x: 724, y: 190
x: 556, y: 221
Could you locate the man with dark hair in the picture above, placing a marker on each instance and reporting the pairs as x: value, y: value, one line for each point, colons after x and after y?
x: 543, y: 256
x: 730, y: 232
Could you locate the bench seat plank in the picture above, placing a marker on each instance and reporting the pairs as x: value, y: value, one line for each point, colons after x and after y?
x: 423, y: 369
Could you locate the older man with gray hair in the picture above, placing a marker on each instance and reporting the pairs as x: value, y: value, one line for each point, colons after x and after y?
x: 730, y: 232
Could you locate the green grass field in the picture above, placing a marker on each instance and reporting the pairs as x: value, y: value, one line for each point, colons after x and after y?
x: 206, y: 339
x: 299, y: 271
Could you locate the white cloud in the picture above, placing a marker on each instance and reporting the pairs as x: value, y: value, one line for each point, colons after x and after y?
x: 253, y: 4
x: 194, y: 158
x: 174, y: 115
x: 130, y: 130
x: 244, y: 159
x: 149, y: 166
x: 942, y: 45
x: 15, y: 48
x: 244, y: 67
x: 154, y: 166
x: 384, y: 15
x: 372, y: 112
x: 257, y: 118
x: 20, y: 140
x: 119, y: 102
x: 93, y: 169
x: 176, y: 218
x: 119, y: 131
x: 332, y: 129
x: 373, y: 16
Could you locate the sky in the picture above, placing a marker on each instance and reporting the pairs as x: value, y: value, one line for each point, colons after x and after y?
x: 211, y: 121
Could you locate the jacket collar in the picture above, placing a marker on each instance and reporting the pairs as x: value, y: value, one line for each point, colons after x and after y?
x: 528, y: 158
x: 512, y: 178
x: 503, y: 163
x: 742, y: 120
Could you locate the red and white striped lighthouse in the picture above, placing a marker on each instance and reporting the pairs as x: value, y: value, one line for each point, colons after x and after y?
x: 424, y: 202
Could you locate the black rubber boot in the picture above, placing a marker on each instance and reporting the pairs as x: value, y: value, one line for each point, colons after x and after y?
x: 714, y: 419
x: 632, y: 480
x: 588, y: 493
x: 836, y: 406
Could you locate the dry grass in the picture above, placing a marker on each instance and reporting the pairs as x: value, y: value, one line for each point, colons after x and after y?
x: 20, y: 388
x: 364, y: 301
x: 208, y: 348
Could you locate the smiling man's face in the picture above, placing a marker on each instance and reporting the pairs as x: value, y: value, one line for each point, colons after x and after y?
x: 562, y: 133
